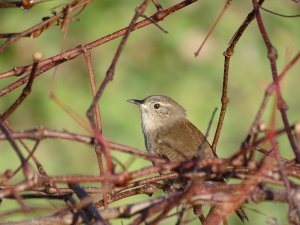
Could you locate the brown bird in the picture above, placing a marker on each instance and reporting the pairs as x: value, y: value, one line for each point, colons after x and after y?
x: 170, y: 135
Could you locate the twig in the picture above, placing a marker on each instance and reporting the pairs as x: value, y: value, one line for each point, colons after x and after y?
x: 227, y: 3
x: 44, y: 133
x: 36, y: 30
x: 89, y: 209
x: 279, y: 14
x: 227, y: 54
x: 87, y: 56
x: 272, y: 55
x: 51, y: 62
x: 108, y: 77
x: 94, y: 105
x: 268, y: 92
x: 26, y: 167
x: 27, y: 89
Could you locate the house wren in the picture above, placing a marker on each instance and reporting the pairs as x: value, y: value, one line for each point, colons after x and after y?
x: 170, y: 135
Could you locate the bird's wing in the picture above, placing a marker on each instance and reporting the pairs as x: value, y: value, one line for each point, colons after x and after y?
x: 182, y: 141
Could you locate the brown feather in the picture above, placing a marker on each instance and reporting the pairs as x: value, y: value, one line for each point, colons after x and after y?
x: 170, y: 141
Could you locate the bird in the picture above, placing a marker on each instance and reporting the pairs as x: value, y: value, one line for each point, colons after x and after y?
x: 170, y: 135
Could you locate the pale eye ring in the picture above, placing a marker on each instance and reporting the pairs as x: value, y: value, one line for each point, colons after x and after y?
x: 156, y: 106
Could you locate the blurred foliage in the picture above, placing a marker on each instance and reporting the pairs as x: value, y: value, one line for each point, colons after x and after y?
x: 152, y: 63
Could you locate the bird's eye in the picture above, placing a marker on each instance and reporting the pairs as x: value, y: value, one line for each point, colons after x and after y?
x: 156, y: 106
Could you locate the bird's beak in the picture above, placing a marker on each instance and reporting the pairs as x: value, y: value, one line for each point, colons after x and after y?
x: 135, y: 101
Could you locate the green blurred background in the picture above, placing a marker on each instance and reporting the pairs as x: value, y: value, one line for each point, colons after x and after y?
x: 152, y: 63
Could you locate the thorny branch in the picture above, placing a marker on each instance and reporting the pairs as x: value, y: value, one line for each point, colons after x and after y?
x: 227, y: 54
x: 26, y: 91
x: 51, y: 62
x: 37, y: 30
x: 282, y: 107
x: 272, y: 55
